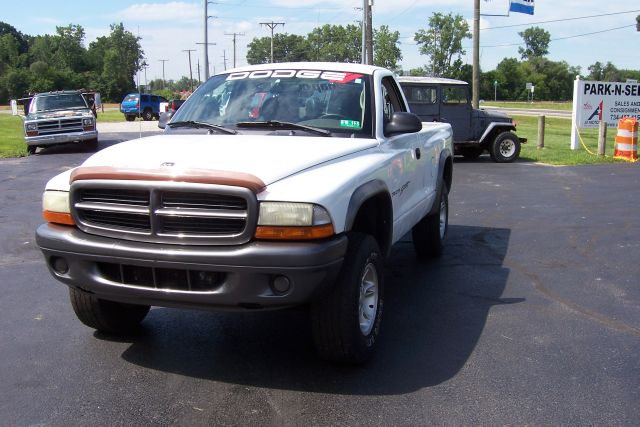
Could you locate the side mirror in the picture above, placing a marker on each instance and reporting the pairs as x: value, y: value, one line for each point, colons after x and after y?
x: 402, y: 122
x: 97, y: 101
x: 164, y: 119
x: 14, y: 107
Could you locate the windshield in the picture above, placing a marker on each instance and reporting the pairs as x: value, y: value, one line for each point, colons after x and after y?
x: 64, y: 101
x: 333, y: 100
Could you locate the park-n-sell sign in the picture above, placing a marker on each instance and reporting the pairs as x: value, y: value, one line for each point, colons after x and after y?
x: 609, y: 101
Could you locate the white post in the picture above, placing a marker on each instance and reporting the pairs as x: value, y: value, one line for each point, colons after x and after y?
x: 574, y: 115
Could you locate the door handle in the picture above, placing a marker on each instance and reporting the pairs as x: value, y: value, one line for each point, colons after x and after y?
x: 418, y: 154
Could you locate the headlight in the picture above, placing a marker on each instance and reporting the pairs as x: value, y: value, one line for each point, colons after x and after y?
x: 293, y: 221
x: 87, y: 121
x: 31, y: 126
x: 55, y: 207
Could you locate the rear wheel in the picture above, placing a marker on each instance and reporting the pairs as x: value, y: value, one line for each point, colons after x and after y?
x: 106, y: 316
x: 147, y: 115
x: 346, y: 322
x: 129, y: 117
x: 430, y: 233
x: 505, y: 148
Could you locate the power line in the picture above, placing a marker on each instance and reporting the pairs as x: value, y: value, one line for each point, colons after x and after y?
x: 561, y: 20
x: 567, y: 37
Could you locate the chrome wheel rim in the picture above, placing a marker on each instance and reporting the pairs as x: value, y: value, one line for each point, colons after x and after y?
x: 507, y: 148
x: 368, y: 300
x: 443, y: 218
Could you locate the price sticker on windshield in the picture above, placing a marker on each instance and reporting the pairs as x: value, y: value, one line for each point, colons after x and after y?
x: 352, y: 124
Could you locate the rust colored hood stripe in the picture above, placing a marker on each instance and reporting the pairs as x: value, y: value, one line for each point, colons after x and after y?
x: 198, y: 176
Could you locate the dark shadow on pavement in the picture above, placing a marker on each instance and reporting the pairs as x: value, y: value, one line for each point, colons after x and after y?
x: 435, y: 312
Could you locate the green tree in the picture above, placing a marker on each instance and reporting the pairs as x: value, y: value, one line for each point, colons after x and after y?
x: 386, y: 49
x: 336, y: 43
x: 115, y: 58
x: 9, y: 52
x: 69, y: 48
x: 286, y: 48
x: 441, y: 42
x: 511, y: 79
x: 536, y: 41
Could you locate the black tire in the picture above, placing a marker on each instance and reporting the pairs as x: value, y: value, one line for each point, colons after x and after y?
x: 106, y: 316
x: 471, y: 153
x: 338, y: 333
x: 505, y: 148
x: 31, y: 149
x: 147, y: 115
x: 430, y: 233
x: 129, y: 117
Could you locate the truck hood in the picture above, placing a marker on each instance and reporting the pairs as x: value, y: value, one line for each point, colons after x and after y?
x: 58, y: 114
x: 269, y: 158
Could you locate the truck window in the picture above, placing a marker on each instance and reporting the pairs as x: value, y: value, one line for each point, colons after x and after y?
x: 392, y: 101
x: 421, y: 94
x: 145, y: 98
x: 154, y: 98
x: 454, y: 95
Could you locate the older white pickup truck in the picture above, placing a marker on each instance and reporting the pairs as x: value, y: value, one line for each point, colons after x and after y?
x: 273, y: 186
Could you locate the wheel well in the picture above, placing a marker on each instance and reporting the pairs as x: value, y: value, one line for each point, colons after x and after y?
x: 493, y: 134
x: 447, y: 173
x: 374, y: 218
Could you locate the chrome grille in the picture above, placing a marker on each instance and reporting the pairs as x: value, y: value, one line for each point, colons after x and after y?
x: 165, y: 212
x: 51, y: 127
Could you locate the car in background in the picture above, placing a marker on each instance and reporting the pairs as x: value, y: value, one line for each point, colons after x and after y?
x: 52, y: 118
x: 143, y: 105
x: 475, y: 131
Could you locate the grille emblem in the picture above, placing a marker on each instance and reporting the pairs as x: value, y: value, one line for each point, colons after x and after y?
x: 167, y: 164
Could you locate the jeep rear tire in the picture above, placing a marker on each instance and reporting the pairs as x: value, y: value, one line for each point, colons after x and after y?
x: 106, y: 316
x: 430, y: 233
x: 346, y: 322
x: 129, y: 117
x: 505, y: 148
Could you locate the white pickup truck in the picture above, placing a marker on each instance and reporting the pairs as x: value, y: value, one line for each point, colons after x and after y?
x: 273, y: 186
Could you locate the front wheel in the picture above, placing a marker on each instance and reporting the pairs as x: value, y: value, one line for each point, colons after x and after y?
x: 346, y: 323
x: 31, y: 149
x: 106, y: 316
x: 430, y: 233
x: 505, y: 148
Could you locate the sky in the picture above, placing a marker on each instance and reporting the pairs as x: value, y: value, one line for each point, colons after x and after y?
x: 167, y: 28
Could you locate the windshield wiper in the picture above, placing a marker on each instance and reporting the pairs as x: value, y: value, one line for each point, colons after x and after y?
x: 283, y: 125
x: 201, y: 125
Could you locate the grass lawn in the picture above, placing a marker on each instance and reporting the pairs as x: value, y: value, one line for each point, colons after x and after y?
x: 545, y: 105
x: 557, y: 143
x: 11, y: 137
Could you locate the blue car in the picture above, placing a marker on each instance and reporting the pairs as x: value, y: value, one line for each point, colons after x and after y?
x: 142, y: 105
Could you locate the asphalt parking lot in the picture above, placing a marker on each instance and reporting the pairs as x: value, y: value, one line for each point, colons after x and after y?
x: 532, y: 316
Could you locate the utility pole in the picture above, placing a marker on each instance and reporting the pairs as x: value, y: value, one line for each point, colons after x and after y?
x: 199, y: 80
x: 224, y: 59
x: 206, y: 68
x: 272, y: 25
x: 475, y: 91
x: 190, y: 70
x: 234, y: 45
x: 206, y: 37
x: 369, y: 32
x: 163, y: 61
x: 363, y: 27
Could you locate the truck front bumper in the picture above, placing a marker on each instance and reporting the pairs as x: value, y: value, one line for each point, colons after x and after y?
x: 257, y: 275
x: 61, y: 138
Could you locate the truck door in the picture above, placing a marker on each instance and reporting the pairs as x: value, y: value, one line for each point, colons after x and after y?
x: 406, y: 171
x: 456, y: 110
